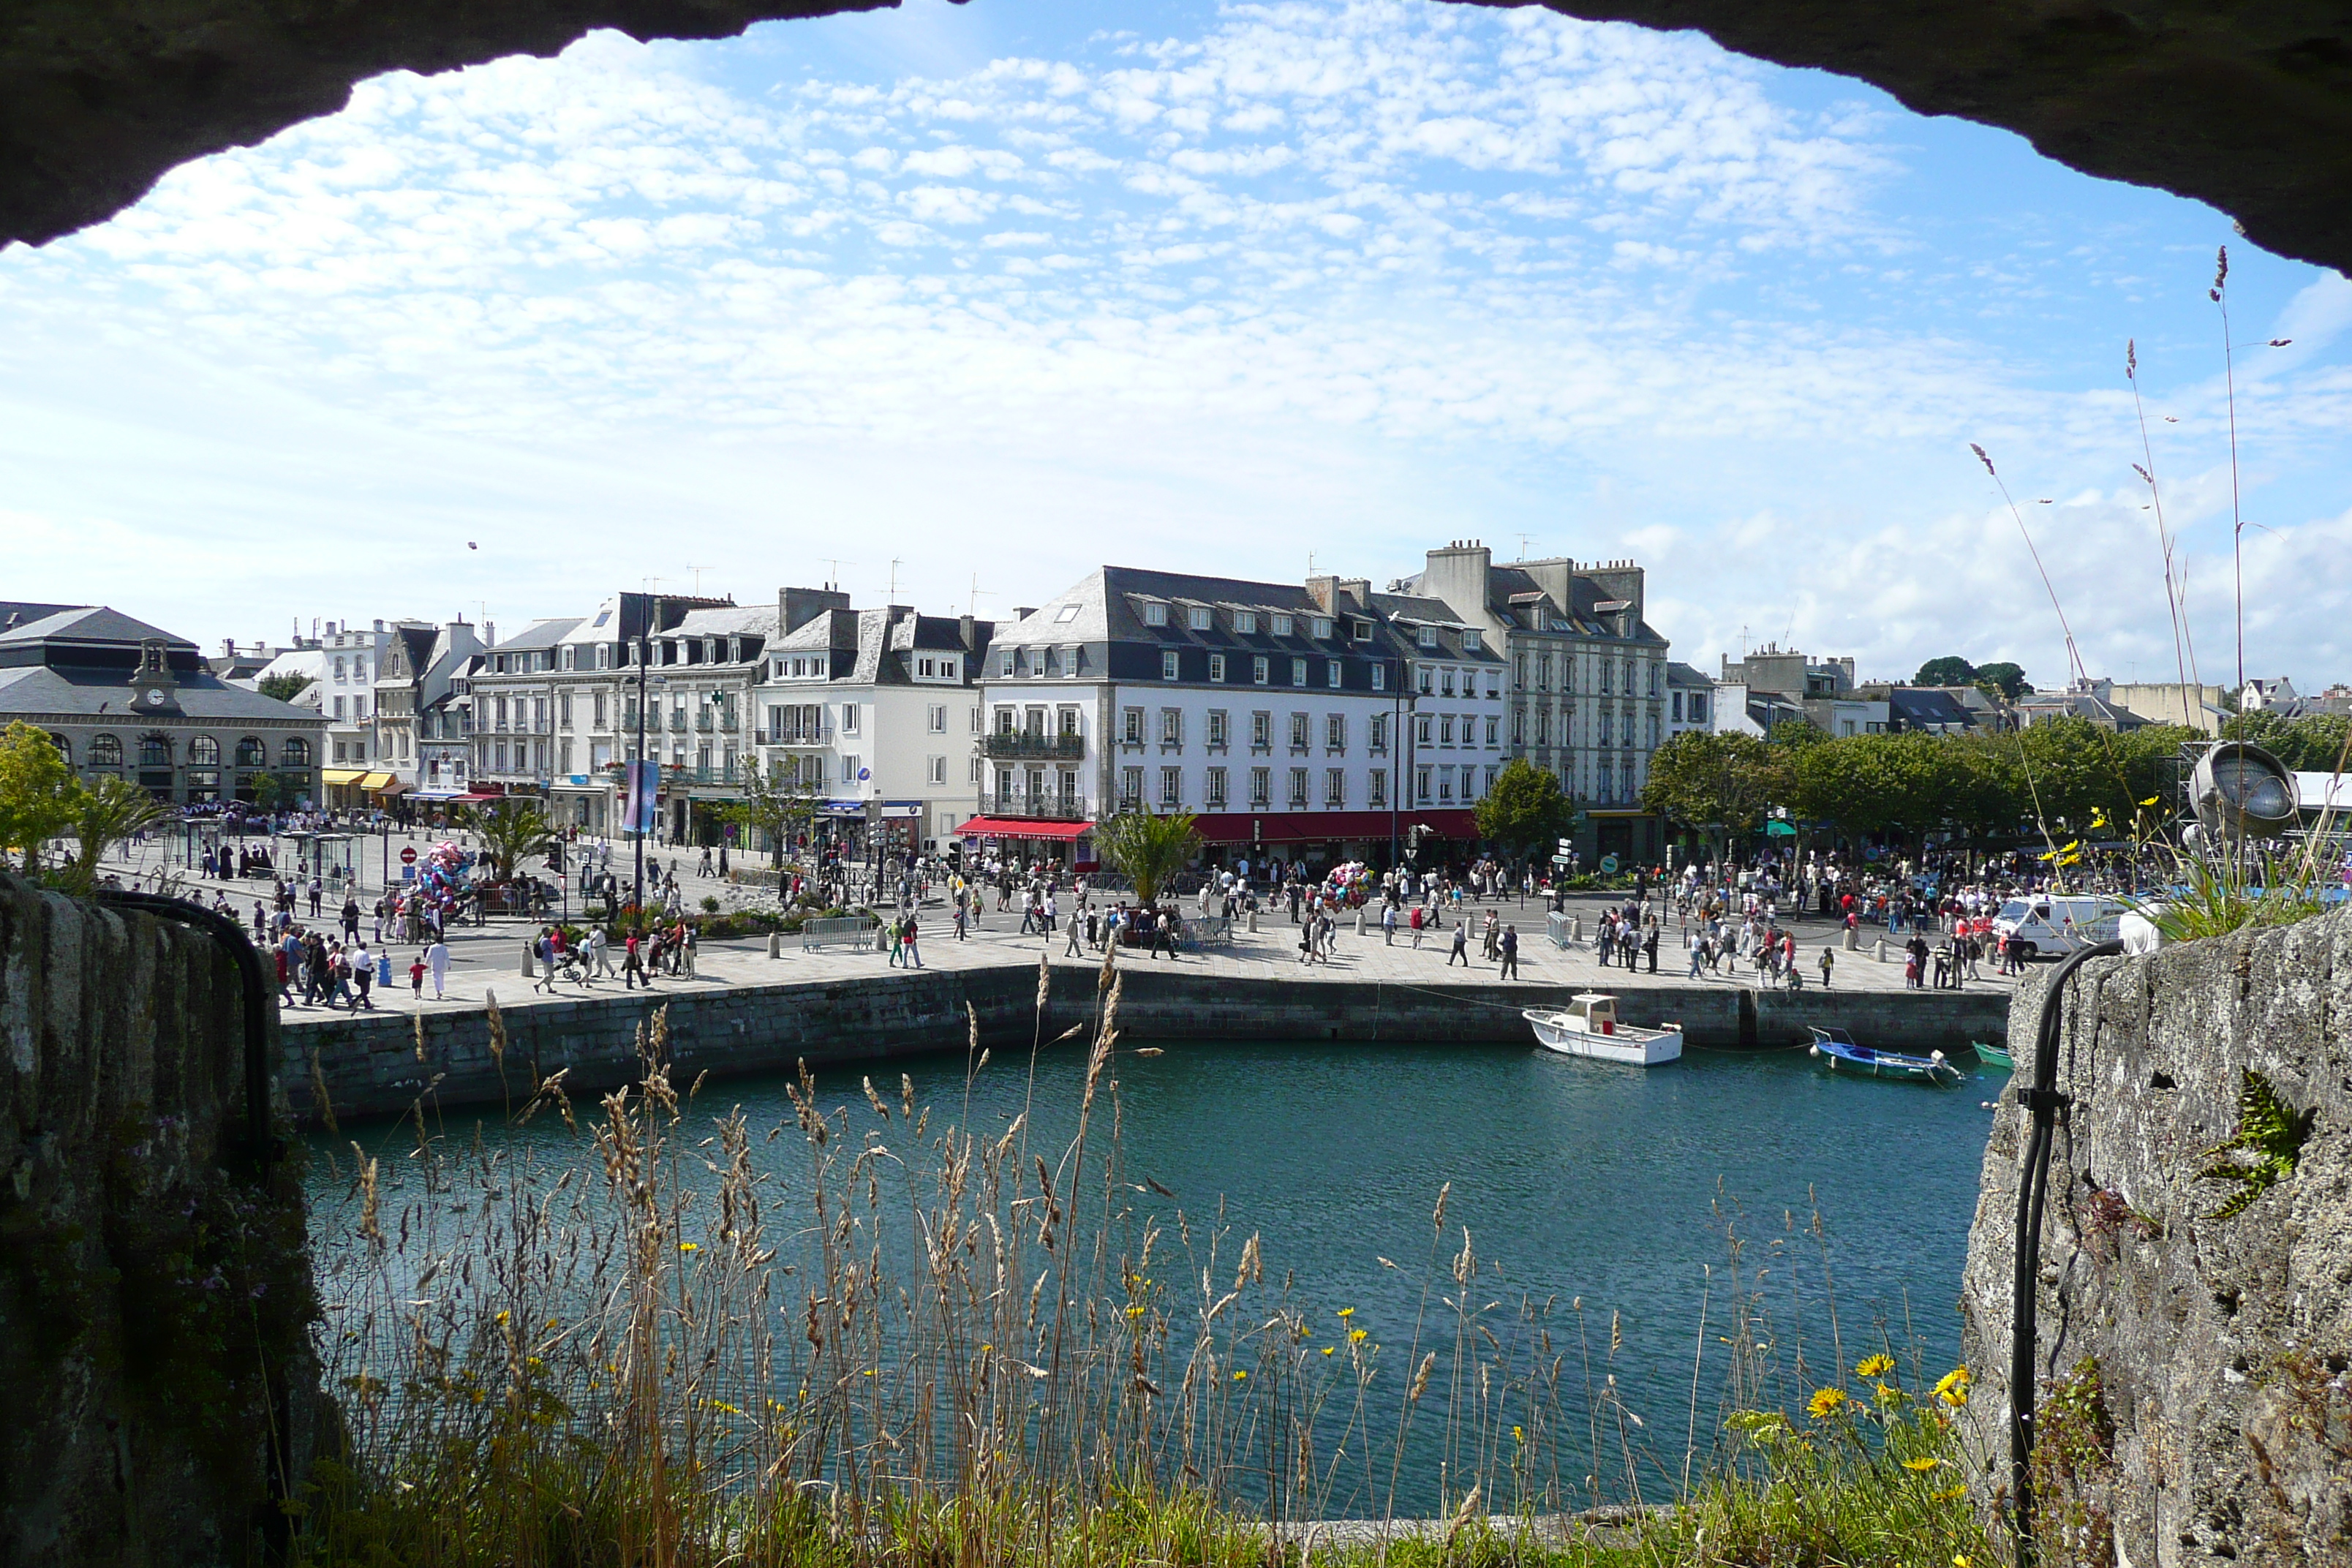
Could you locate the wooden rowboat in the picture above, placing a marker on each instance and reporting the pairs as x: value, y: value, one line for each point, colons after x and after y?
x: 1835, y: 1049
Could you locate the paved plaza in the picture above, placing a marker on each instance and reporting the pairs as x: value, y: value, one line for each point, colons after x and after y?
x: 489, y: 959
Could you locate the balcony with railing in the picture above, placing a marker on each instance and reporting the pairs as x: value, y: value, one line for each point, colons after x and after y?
x: 1028, y: 746
x: 793, y: 734
x: 1051, y: 805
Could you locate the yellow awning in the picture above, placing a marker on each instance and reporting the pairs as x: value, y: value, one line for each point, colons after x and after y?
x: 340, y: 776
x: 375, y: 781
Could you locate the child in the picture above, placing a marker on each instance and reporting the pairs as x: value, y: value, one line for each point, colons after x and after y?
x: 416, y: 975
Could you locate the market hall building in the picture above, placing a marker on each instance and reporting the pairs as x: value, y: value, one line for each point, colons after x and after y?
x: 125, y: 699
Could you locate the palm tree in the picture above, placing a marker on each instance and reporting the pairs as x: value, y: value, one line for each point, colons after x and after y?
x: 509, y: 830
x: 106, y: 814
x: 1150, y: 849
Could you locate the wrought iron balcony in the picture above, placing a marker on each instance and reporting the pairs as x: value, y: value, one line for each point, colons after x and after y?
x: 1020, y: 745
x: 1048, y: 807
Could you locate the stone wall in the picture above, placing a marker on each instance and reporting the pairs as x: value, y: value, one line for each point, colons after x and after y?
x: 378, y: 1064
x: 2196, y: 1402
x: 153, y: 1299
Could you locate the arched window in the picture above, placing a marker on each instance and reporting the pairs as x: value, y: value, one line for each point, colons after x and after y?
x: 154, y: 751
x: 105, y: 752
x: 295, y: 752
x: 64, y: 746
x: 204, y: 752
x: 252, y: 754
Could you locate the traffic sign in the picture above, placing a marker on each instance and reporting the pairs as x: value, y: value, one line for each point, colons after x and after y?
x: 408, y: 854
x: 1609, y: 865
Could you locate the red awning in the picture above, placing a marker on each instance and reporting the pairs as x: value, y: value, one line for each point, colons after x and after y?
x: 1023, y: 827
x: 1320, y: 827
x: 460, y: 799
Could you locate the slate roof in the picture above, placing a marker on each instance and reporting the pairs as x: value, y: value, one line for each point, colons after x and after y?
x: 875, y: 647
x: 33, y: 690
x: 1684, y: 675
x: 1104, y: 606
x: 87, y: 622
x: 538, y: 634
x: 1919, y: 707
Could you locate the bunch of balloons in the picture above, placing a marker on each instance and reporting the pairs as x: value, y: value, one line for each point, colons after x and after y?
x: 444, y: 876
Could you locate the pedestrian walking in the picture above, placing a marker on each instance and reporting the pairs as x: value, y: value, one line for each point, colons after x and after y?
x: 632, y: 963
x: 914, y: 952
x: 1829, y: 962
x: 417, y: 977
x: 1510, y: 952
x: 1461, y: 946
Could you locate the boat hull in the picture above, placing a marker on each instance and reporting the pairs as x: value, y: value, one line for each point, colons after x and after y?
x: 1841, y: 1056
x: 1628, y: 1047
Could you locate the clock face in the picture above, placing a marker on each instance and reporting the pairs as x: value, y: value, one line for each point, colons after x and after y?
x: 154, y: 695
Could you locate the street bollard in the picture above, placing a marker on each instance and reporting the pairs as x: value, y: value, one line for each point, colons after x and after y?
x: 530, y: 971
x: 775, y: 944
x: 1853, y: 941
x: 1360, y: 920
x: 1252, y: 921
x: 1882, y: 950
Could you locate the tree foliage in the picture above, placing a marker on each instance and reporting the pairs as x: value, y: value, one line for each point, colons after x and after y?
x: 107, y: 812
x: 1148, y: 849
x: 1949, y: 670
x: 285, y: 685
x: 1723, y: 782
x: 2313, y: 743
x: 511, y: 830
x: 2008, y: 680
x: 39, y: 796
x: 1527, y: 812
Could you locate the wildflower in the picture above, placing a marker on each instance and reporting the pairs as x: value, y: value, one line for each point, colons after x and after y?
x: 1950, y: 1494
x: 1136, y: 1311
x: 1518, y: 1436
x: 1358, y: 1336
x: 1329, y: 1349
x: 689, y: 1247
x: 2150, y: 800
x: 1241, y: 1377
x: 1959, y: 1561
x: 1346, y: 1312
x: 502, y: 1319
x: 1921, y: 1465
x: 1825, y: 1402
x: 1874, y: 1366
x: 1953, y: 1387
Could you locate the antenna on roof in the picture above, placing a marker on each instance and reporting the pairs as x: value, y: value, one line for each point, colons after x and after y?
x: 972, y: 605
x: 837, y: 563
x: 1523, y: 547
x: 698, y: 572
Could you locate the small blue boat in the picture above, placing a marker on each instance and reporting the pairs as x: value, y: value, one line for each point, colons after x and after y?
x: 1835, y: 1050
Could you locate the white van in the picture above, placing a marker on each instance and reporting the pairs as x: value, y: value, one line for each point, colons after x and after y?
x: 2055, y: 924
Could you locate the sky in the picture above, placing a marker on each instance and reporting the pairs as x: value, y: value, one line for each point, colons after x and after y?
x: 952, y: 304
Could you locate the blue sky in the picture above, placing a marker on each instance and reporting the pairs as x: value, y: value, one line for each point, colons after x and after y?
x: 1001, y: 292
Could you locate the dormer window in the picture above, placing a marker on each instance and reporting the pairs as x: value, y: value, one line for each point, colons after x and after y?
x: 1197, y: 617
x: 1283, y: 626
x: 1155, y: 614
x: 1245, y: 622
x: 1425, y: 638
x: 1322, y: 629
x: 1361, y: 630
x: 1470, y: 640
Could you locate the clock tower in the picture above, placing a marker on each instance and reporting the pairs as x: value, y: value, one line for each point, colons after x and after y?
x: 155, y: 690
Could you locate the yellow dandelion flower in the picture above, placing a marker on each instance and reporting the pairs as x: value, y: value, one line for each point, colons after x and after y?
x: 1921, y: 1465
x: 1329, y: 1349
x: 1952, y: 1388
x: 689, y: 1247
x: 502, y: 1318
x: 1358, y: 1336
x: 1346, y: 1312
x: 1874, y: 1366
x: 1950, y: 1494
x: 1518, y: 1436
x: 2150, y: 800
x: 1825, y: 1402
x: 1241, y: 1377
x: 1136, y: 1311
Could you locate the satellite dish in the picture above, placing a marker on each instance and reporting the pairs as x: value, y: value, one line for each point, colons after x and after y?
x: 2241, y: 790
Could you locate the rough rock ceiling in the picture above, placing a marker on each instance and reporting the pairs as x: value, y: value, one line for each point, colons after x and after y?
x: 2246, y: 106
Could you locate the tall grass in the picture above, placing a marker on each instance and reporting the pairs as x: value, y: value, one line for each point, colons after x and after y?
x: 970, y: 1350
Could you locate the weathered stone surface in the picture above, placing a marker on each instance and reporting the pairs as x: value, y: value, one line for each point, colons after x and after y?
x: 2221, y: 1346
x: 154, y: 1302
x: 2247, y: 106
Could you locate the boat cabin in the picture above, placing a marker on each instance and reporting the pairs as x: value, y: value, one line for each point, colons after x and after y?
x: 1593, y: 1012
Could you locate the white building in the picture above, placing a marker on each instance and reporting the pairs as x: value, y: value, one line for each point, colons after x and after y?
x: 411, y: 689
x: 1286, y: 719
x: 877, y: 715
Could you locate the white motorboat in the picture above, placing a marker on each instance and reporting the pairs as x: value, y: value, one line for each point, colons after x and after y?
x: 1588, y: 1026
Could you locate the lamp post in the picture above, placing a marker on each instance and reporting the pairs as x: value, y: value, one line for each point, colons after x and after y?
x: 644, y: 658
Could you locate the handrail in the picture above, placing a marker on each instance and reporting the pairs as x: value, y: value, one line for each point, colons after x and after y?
x: 2042, y: 1102
x: 263, y: 1148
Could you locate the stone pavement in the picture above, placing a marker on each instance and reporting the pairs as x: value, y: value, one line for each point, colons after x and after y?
x: 489, y: 959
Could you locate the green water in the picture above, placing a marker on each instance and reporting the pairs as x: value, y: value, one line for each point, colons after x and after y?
x: 1577, y: 1178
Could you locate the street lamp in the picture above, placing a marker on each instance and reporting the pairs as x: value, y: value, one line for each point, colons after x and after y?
x: 636, y: 775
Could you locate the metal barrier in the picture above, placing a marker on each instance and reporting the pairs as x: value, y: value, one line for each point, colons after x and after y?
x: 1207, y: 931
x: 1565, y: 931
x: 856, y: 933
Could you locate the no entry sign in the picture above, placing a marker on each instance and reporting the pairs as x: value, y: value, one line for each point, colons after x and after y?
x: 408, y: 856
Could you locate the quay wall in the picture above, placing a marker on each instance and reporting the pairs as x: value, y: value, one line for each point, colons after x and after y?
x: 379, y: 1064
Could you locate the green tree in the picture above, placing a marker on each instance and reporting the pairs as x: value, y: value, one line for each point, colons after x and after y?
x: 2008, y: 680
x: 1949, y: 670
x: 39, y: 796
x: 775, y: 804
x: 511, y: 830
x: 1720, y: 783
x: 107, y: 812
x: 2313, y: 743
x: 1527, y: 812
x: 285, y: 686
x: 1791, y: 734
x: 1149, y: 849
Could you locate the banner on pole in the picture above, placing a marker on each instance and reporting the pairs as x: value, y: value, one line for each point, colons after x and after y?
x: 642, y: 808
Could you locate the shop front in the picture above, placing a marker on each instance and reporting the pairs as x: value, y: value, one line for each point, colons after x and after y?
x: 1322, y: 839
x: 1026, y: 840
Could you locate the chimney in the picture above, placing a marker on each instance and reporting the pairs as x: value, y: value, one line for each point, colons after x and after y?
x: 968, y: 632
x: 490, y: 634
x: 796, y: 607
x: 1322, y: 589
x: 379, y: 624
x: 1359, y: 589
x: 228, y: 647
